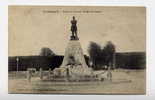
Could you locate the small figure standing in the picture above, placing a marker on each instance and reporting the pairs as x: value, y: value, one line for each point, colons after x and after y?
x: 29, y: 75
x: 67, y: 74
x: 109, y: 74
x: 49, y: 74
x: 74, y: 28
x: 41, y: 73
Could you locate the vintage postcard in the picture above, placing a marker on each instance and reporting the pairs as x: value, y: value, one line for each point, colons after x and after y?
x: 77, y: 49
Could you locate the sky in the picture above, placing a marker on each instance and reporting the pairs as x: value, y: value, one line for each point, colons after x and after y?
x: 34, y: 27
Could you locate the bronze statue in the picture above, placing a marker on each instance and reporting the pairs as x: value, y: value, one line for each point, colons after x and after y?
x: 74, y: 28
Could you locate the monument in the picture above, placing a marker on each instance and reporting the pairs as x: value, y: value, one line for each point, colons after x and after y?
x: 74, y: 64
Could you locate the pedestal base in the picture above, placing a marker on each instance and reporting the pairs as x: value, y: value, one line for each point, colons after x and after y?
x: 74, y: 38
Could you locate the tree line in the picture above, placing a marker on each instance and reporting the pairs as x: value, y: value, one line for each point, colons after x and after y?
x: 99, y: 57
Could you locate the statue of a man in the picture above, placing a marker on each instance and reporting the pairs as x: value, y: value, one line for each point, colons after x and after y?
x: 74, y: 27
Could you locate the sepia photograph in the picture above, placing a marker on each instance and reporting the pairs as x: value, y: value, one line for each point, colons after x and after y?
x: 77, y: 50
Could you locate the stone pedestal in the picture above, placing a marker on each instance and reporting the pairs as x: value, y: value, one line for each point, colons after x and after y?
x: 74, y: 38
x: 74, y: 63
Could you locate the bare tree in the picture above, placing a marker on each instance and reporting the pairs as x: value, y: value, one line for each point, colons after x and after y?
x: 109, y: 51
x: 46, y: 52
x: 94, y: 51
x: 99, y: 56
